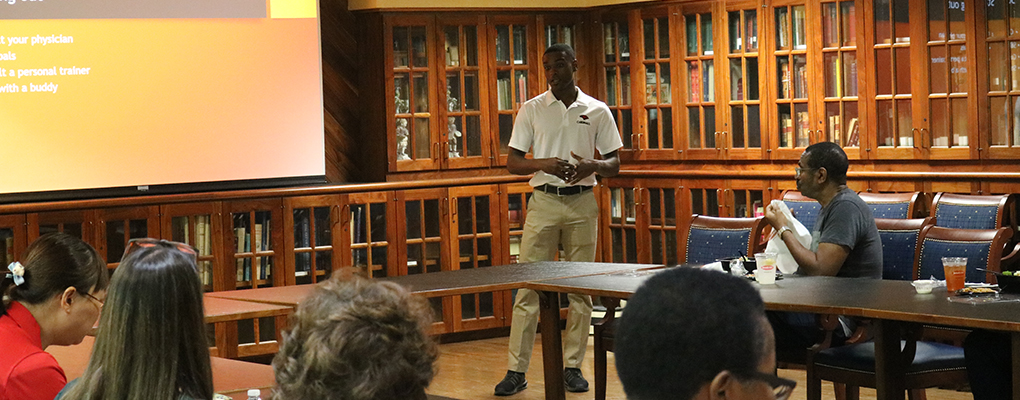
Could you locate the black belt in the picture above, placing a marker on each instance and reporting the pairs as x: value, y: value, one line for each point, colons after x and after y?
x: 563, y: 191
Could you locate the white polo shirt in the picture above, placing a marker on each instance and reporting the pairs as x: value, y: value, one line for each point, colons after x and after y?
x: 549, y: 129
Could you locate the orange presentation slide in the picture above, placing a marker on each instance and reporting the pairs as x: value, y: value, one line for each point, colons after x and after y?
x: 96, y: 102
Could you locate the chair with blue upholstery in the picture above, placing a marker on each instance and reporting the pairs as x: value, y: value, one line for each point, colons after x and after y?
x: 966, y: 211
x: 896, y: 205
x: 804, y: 209
x: 900, y: 239
x: 709, y: 239
x: 930, y: 363
x: 706, y: 240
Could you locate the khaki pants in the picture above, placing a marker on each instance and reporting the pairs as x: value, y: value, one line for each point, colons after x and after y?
x: 553, y: 220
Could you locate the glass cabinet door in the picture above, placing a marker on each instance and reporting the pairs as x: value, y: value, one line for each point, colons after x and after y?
x: 255, y: 244
x: 839, y: 78
x: 703, y: 198
x: 745, y: 198
x: 75, y: 223
x: 623, y: 222
x: 466, y: 131
x: 950, y: 71
x: 422, y: 220
x: 369, y: 224
x: 616, y: 68
x: 477, y: 239
x: 656, y: 139
x: 196, y: 225
x: 516, y: 199
x: 791, y: 80
x: 901, y: 120
x: 662, y: 209
x: 512, y: 61
x: 13, y: 238
x: 309, y: 238
x: 744, y: 112
x: 118, y: 226
x: 415, y: 141
x: 1002, y: 36
x: 703, y: 128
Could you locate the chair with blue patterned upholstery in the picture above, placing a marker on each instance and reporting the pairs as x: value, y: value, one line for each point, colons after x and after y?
x: 896, y: 205
x: 711, y: 238
x: 804, y: 209
x: 930, y: 363
x: 980, y: 212
x: 900, y: 239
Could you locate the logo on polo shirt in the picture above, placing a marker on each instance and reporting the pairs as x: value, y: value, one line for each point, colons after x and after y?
x: 583, y: 120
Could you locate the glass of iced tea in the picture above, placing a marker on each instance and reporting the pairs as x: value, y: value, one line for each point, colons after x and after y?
x: 955, y: 269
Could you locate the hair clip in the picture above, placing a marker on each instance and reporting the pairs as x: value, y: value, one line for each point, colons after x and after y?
x: 17, y: 272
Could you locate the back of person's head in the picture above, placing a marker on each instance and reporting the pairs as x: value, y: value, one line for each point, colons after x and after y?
x: 356, y: 339
x: 51, y: 264
x: 830, y: 156
x: 685, y: 326
x: 151, y: 342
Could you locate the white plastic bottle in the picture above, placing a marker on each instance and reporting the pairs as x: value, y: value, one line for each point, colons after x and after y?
x: 253, y: 394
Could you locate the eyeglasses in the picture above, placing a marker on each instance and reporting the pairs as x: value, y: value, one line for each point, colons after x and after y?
x: 135, y: 244
x: 800, y: 170
x: 101, y: 303
x: 781, y: 387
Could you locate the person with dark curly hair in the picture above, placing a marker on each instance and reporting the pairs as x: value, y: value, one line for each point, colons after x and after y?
x: 357, y: 339
x: 690, y: 333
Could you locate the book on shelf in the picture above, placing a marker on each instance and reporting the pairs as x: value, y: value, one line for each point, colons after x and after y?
x: 522, y: 89
x: 835, y: 134
x: 800, y: 84
x: 708, y: 79
x: 258, y: 248
x: 695, y: 89
x: 201, y: 234
x: 8, y: 250
x: 803, y: 129
x: 787, y: 132
x: 784, y: 78
x: 247, y: 260
x: 850, y: 25
x: 853, y: 134
x: 239, y: 235
x: 503, y: 94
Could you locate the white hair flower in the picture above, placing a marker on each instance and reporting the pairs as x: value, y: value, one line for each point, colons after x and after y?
x: 17, y: 272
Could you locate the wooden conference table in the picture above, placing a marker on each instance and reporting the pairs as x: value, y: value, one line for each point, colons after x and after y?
x: 890, y: 303
x: 449, y: 283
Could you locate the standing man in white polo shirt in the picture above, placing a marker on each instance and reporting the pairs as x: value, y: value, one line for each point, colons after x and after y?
x: 563, y: 128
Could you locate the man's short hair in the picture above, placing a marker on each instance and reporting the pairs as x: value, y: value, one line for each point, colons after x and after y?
x: 830, y: 156
x: 357, y: 339
x: 561, y: 47
x: 683, y: 327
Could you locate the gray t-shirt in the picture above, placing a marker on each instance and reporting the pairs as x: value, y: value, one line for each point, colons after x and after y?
x: 847, y: 221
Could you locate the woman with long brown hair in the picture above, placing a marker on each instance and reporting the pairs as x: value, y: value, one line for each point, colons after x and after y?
x: 151, y: 340
x: 53, y: 296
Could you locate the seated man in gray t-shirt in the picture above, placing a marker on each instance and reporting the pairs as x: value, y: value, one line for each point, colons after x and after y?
x: 844, y: 241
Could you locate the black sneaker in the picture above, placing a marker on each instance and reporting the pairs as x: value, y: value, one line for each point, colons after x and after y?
x: 514, y: 382
x: 574, y: 381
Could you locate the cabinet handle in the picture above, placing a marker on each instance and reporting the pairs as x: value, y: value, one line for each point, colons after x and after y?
x: 716, y: 140
x: 726, y: 140
x: 926, y: 134
x: 915, y: 140
x: 435, y: 154
x: 345, y: 215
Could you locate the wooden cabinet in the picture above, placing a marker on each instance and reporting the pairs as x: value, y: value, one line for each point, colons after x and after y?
x: 117, y: 226
x: 201, y: 226
x: 999, y: 30
x: 423, y: 223
x: 77, y: 223
x: 642, y: 222
x: 741, y: 83
x: 369, y: 232
x: 476, y: 241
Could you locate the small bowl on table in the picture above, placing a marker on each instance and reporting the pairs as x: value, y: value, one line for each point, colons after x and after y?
x: 924, y: 286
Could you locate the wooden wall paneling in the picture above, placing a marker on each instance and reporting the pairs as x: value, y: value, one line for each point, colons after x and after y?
x: 116, y: 226
x: 303, y: 238
x: 960, y: 187
x: 248, y: 214
x: 199, y: 225
x: 877, y: 186
x: 340, y: 30
x: 371, y: 156
x: 13, y: 237
x: 476, y: 237
x: 423, y: 230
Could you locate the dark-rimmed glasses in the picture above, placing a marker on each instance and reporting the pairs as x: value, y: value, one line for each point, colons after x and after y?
x: 135, y: 244
x: 781, y: 387
x: 101, y: 303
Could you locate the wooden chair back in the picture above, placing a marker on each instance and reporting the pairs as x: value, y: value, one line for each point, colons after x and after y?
x: 900, y: 246
x: 967, y: 211
x: 982, y: 247
x: 805, y: 209
x: 896, y: 205
x: 708, y: 239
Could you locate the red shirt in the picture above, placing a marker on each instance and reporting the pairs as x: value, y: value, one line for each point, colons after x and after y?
x: 26, y: 371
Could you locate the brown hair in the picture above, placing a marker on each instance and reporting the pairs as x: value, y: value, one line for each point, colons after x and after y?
x: 356, y: 339
x: 53, y: 263
x: 151, y: 340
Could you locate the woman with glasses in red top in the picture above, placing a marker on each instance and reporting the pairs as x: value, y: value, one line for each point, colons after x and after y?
x: 151, y: 340
x: 53, y: 296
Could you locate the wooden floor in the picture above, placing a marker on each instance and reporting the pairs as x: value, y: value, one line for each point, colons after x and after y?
x: 470, y: 370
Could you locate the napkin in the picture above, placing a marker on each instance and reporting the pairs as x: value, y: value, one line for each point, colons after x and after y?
x: 784, y: 260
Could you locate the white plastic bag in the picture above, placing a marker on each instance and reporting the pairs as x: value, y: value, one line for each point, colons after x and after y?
x: 784, y: 260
